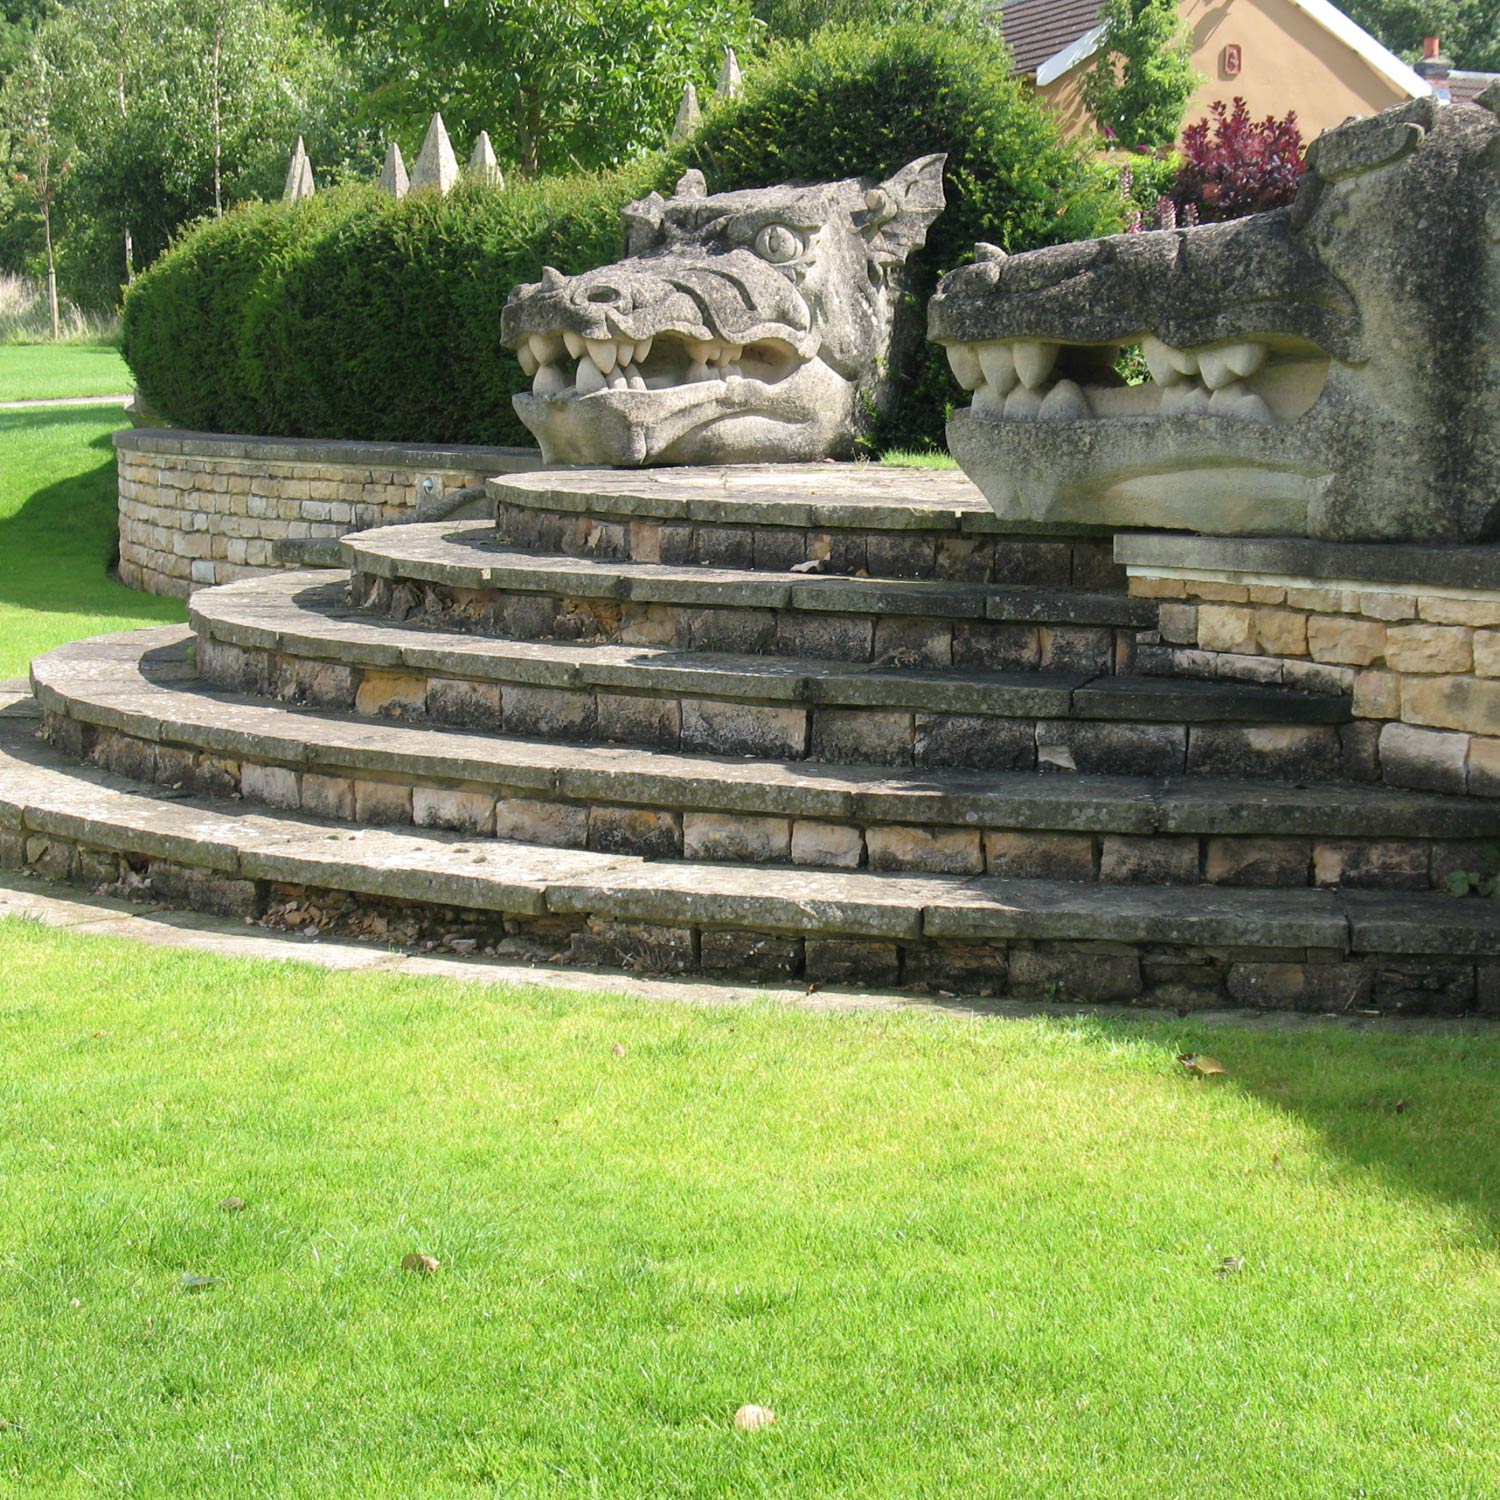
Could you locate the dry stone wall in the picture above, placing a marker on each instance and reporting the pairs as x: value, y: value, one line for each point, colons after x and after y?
x: 1412, y: 634
x: 204, y: 508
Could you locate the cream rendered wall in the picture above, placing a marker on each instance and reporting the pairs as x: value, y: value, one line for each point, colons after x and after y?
x: 1289, y: 62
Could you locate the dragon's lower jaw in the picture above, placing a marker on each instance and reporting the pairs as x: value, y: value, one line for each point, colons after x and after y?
x: 729, y: 417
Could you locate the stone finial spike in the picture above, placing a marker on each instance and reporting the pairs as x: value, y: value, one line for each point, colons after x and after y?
x: 731, y: 80
x: 692, y: 184
x: 393, y: 178
x: 436, y: 166
x: 689, y: 116
x: 482, y: 164
x: 299, y: 176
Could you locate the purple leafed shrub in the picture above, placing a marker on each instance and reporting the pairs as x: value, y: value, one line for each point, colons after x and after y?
x: 1233, y: 165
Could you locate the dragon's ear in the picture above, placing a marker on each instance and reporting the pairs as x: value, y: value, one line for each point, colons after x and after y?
x: 642, y: 222
x: 900, y: 211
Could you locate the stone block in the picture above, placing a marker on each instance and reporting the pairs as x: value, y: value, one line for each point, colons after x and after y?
x: 1377, y: 695
x: 174, y: 766
x: 1264, y: 593
x: 275, y: 786
x: 1471, y: 704
x: 1076, y: 648
x: 1178, y: 623
x: 1428, y: 648
x: 464, y: 812
x: 328, y: 796
x: 1424, y: 987
x: 743, y: 632
x: 826, y: 637
x: 936, y: 851
x: 1317, y: 677
x: 12, y: 849
x: 998, y: 648
x: 881, y: 737
x: 1301, y: 986
x: 548, y: 713
x: 1323, y: 601
x: 837, y: 846
x: 1288, y: 752
x: 964, y: 559
x: 382, y: 802
x: 215, y: 776
x: 727, y: 546
x: 1074, y: 974
x: 203, y: 890
x: 957, y: 968
x: 559, y: 825
x: 391, y: 695
x: 749, y: 955
x: 1359, y: 743
x: 1478, y: 612
x: 1423, y: 759
x: 1382, y: 864
x: 51, y: 858
x: 1157, y: 588
x: 1390, y: 607
x: 974, y: 742
x: 912, y: 642
x: 755, y: 729
x: 1261, y: 862
x: 1281, y: 632
x: 1124, y: 749
x: 1027, y: 854
x: 643, y: 947
x: 323, y: 684
x: 1484, y: 768
x: 735, y: 836
x: 93, y: 868
x: 645, y: 832
x: 459, y: 700
x: 1349, y: 642
x: 1159, y: 859
x: 1225, y: 628
x: 851, y: 962
x: 633, y: 719
x: 1487, y: 653
x: 900, y: 554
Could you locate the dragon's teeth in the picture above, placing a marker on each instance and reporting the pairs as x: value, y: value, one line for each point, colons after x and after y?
x: 998, y: 363
x: 1230, y: 362
x: 550, y: 380
x: 590, y: 377
x: 528, y: 361
x: 1159, y: 361
x: 602, y: 352
x: 574, y: 344
x: 1023, y: 404
x: 1034, y: 361
x: 642, y: 351
x: 964, y: 363
x: 1064, y: 402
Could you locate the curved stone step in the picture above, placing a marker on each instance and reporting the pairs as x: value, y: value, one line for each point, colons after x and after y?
x: 295, y: 636
x: 1190, y: 945
x: 460, y: 577
x: 846, y: 518
x: 133, y: 702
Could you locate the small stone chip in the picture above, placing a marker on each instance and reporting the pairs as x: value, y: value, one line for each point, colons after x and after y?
x: 753, y: 1418
x: 423, y: 1265
x: 232, y: 1205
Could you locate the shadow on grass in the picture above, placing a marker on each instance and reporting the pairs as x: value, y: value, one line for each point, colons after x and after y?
x: 58, y: 547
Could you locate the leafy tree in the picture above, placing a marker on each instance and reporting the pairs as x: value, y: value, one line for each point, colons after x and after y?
x: 796, y: 20
x: 1469, y: 29
x: 558, y: 84
x: 1142, y: 78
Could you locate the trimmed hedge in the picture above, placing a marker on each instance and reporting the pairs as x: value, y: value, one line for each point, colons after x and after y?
x: 355, y: 316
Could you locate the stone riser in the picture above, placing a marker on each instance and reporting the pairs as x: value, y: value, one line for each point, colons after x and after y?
x: 1066, y: 563
x: 521, y: 814
x: 1296, y: 979
x: 819, y: 634
x: 794, y: 732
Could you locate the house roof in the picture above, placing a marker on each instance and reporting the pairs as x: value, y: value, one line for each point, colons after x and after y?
x: 1465, y: 87
x: 1050, y: 37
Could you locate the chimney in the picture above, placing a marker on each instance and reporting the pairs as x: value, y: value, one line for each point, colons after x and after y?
x: 1434, y: 68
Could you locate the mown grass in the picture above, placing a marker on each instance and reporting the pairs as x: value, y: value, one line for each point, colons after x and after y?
x: 57, y: 533
x: 46, y: 372
x: 910, y: 459
x: 957, y: 1256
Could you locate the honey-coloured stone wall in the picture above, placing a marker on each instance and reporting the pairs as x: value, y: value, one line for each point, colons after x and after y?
x: 203, y: 508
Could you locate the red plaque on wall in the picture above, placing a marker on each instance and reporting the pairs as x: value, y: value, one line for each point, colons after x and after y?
x: 1230, y: 60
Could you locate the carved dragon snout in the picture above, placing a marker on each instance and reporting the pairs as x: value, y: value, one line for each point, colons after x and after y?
x: 742, y: 327
x: 1328, y: 369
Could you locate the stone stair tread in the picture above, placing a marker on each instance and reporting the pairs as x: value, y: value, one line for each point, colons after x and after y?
x: 836, y: 495
x: 469, y: 557
x: 144, y: 683
x: 306, y: 615
x: 42, y: 794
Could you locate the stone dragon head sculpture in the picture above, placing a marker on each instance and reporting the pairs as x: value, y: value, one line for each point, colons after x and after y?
x: 743, y: 327
x: 1331, y: 369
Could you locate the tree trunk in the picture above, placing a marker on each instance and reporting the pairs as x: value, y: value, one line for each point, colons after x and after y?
x: 217, y: 117
x: 51, y: 270
x: 531, y: 129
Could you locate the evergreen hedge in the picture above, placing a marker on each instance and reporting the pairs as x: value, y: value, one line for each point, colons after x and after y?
x: 356, y: 316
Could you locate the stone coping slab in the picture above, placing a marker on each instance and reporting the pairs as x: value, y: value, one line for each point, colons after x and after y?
x: 305, y: 615
x: 142, y: 683
x: 41, y: 794
x: 455, y: 457
x: 468, y: 557
x: 1399, y: 564
x: 827, y: 496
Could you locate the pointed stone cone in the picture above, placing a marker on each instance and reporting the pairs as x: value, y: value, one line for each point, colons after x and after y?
x: 299, y: 177
x: 731, y: 80
x: 689, y: 116
x: 482, y: 164
x: 393, y: 178
x: 436, y: 166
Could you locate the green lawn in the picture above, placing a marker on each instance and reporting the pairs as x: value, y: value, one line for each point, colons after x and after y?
x: 57, y: 534
x: 41, y: 372
x: 958, y: 1257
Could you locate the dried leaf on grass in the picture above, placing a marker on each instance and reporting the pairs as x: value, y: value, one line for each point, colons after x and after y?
x: 753, y: 1418
x: 1231, y: 1265
x: 423, y: 1265
x: 192, y: 1282
x: 232, y: 1205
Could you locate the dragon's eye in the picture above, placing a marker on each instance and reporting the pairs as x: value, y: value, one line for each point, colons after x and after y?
x: 778, y: 244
